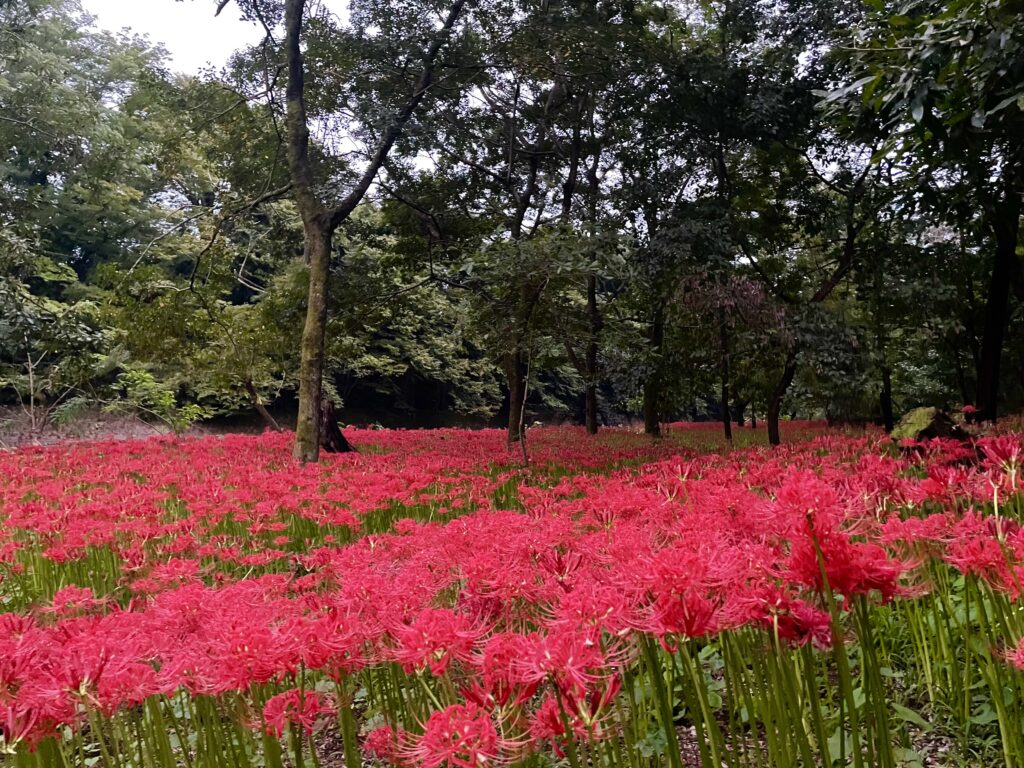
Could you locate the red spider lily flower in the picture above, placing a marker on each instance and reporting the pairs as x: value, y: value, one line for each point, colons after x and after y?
x: 20, y: 723
x: 592, y: 708
x: 800, y: 623
x: 818, y: 543
x: 572, y: 660
x: 593, y: 607
x: 387, y: 744
x: 547, y: 722
x: 295, y: 707
x: 781, y: 612
x: 684, y: 616
x: 434, y: 639
x: 548, y: 725
x: 1003, y: 451
x: 126, y: 684
x: 926, y: 531
x: 71, y: 600
x: 499, y: 666
x: 461, y: 736
x: 852, y: 568
x: 977, y: 549
x: 1015, y: 656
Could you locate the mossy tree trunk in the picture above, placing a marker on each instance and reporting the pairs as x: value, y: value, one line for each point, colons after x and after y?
x: 320, y: 221
x: 311, y: 372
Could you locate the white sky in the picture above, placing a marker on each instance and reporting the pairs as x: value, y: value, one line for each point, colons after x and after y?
x: 188, y: 30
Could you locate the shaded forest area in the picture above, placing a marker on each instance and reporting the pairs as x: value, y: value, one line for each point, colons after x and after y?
x: 516, y: 210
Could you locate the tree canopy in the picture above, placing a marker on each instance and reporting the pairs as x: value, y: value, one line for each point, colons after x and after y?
x: 566, y: 209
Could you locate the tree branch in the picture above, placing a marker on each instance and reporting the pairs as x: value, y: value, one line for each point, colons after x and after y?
x: 341, y: 211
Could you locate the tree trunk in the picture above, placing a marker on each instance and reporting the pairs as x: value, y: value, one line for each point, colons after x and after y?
x: 311, y: 370
x: 775, y: 402
x: 652, y: 411
x: 591, y: 409
x: 739, y: 412
x: 652, y: 387
x: 320, y: 222
x: 723, y: 336
x: 753, y: 418
x: 331, y: 438
x: 257, y: 402
x: 997, y: 313
x: 594, y: 319
x: 515, y: 371
x: 886, y: 399
x: 961, y: 379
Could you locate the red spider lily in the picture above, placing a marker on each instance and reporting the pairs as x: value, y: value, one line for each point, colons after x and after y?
x: 507, y: 605
x: 20, y: 722
x: 548, y: 724
x: 572, y: 660
x: 687, y: 615
x: 462, y: 736
x: 1004, y: 453
x: 434, y: 639
x: 557, y: 719
x: 295, y: 707
x: 1015, y: 656
x: 591, y: 708
x: 502, y: 683
x: 820, y: 550
x: 385, y: 743
x: 71, y: 600
x: 977, y: 548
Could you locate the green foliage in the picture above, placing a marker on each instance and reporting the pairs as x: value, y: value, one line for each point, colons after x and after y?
x: 48, y: 347
x: 583, y: 191
x: 144, y: 394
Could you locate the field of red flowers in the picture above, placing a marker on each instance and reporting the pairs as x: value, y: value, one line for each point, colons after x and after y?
x: 427, y: 602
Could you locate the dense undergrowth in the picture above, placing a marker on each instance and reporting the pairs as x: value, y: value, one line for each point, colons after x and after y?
x: 428, y: 602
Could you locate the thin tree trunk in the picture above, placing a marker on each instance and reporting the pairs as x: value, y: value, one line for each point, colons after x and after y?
x: 652, y: 387
x: 515, y: 372
x: 882, y: 343
x: 723, y: 337
x: 775, y: 402
x: 594, y: 320
x: 257, y: 402
x: 961, y: 378
x: 885, y: 399
x: 311, y: 371
x: 753, y: 417
x: 739, y: 412
x: 997, y: 314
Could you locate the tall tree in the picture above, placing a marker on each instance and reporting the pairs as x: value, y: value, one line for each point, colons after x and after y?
x: 322, y: 214
x: 943, y: 83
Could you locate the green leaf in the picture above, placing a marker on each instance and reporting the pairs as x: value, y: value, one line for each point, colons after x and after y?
x: 52, y: 272
x: 984, y: 716
x: 910, y: 716
x: 1015, y: 99
x: 908, y: 757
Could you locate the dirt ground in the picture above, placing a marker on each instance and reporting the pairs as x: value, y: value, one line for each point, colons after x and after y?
x: 16, y: 429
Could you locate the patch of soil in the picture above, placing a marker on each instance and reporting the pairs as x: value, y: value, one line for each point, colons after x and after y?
x: 16, y: 429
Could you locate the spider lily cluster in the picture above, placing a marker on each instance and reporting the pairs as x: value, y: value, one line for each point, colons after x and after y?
x: 208, y: 602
